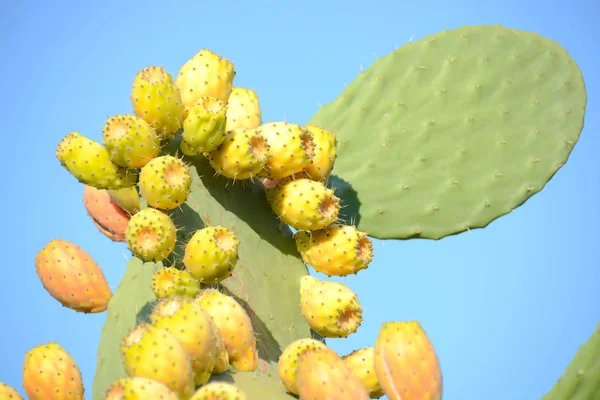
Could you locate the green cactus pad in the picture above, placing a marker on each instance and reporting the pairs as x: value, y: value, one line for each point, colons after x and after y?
x: 450, y: 132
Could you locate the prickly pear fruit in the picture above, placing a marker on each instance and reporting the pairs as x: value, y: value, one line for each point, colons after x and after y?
x: 50, y: 373
x: 406, y: 364
x: 219, y: 391
x: 361, y: 363
x: 151, y: 235
x: 323, y: 375
x: 325, y: 149
x: 165, y: 182
x: 290, y: 149
x: 171, y: 281
x: 110, y: 219
x: 222, y: 364
x: 205, y: 74
x: 138, y: 388
x: 130, y: 141
x: 304, y: 204
x: 156, y: 99
x: 127, y: 198
x: 154, y: 353
x: 235, y: 327
x: 90, y: 163
x: 211, y: 254
x: 288, y: 360
x: 8, y: 393
x: 190, y: 324
x: 204, y: 127
x: 72, y: 277
x: 243, y: 109
x: 242, y: 155
x: 330, y: 308
x: 337, y: 250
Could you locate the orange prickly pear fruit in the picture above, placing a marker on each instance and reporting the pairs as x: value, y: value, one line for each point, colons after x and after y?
x: 361, y: 363
x: 110, y: 219
x: 288, y: 360
x: 8, y: 393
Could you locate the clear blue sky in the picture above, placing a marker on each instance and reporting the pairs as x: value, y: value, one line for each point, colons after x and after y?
x: 506, y: 307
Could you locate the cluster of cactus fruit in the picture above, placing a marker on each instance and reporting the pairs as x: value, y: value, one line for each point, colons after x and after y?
x: 226, y: 309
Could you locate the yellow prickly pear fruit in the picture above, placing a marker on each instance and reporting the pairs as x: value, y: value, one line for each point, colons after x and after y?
x: 190, y: 324
x: 8, y: 393
x: 288, y: 360
x: 242, y: 155
x: 127, y: 198
x: 337, y: 250
x: 154, y: 353
x: 205, y: 74
x: 361, y: 363
x: 130, y: 141
x: 219, y: 391
x: 168, y: 282
x: 222, y: 364
x: 406, y: 364
x: 304, y: 204
x: 291, y: 149
x: 243, y: 109
x: 156, y: 99
x: 330, y: 308
x: 151, y: 235
x: 165, y: 182
x: 204, y: 127
x: 235, y: 327
x: 138, y: 388
x: 211, y: 254
x: 90, y: 163
x: 325, y: 148
x: 50, y: 373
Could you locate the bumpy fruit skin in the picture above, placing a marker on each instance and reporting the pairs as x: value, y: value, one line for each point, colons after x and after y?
x: 287, y: 366
x: 72, y: 277
x: 90, y: 163
x: 50, y: 373
x: 325, y: 152
x: 235, y: 327
x: 222, y: 364
x: 154, y: 353
x: 219, y: 391
x: 151, y: 235
x: 156, y: 99
x: 406, y: 364
x: 304, y: 204
x: 138, y: 388
x: 174, y: 282
x: 323, y: 375
x: 204, y: 127
x: 243, y: 109
x: 290, y: 149
x: 242, y: 155
x: 205, y: 74
x: 128, y: 199
x: 110, y: 219
x: 361, y: 363
x: 8, y: 393
x: 330, y: 308
x: 165, y: 182
x: 190, y: 324
x: 338, y: 250
x: 130, y: 141
x: 211, y: 254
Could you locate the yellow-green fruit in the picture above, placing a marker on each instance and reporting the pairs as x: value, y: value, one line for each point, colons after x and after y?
x: 361, y: 363
x: 337, y: 250
x: 151, y: 235
x: 222, y: 364
x: 211, y: 254
x: 219, y: 391
x: 288, y: 360
x: 130, y: 141
x: 243, y: 109
x: 171, y: 281
x: 138, y: 388
x: 291, y: 149
x: 90, y: 163
x: 204, y: 127
x: 154, y: 353
x: 165, y: 182
x: 205, y: 74
x: 304, y: 204
x: 325, y: 148
x: 190, y: 324
x: 156, y: 99
x: 235, y: 327
x: 127, y: 198
x: 330, y: 308
x: 242, y: 155
x: 8, y: 393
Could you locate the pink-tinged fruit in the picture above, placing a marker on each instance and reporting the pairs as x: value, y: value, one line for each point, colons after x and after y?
x: 110, y: 219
